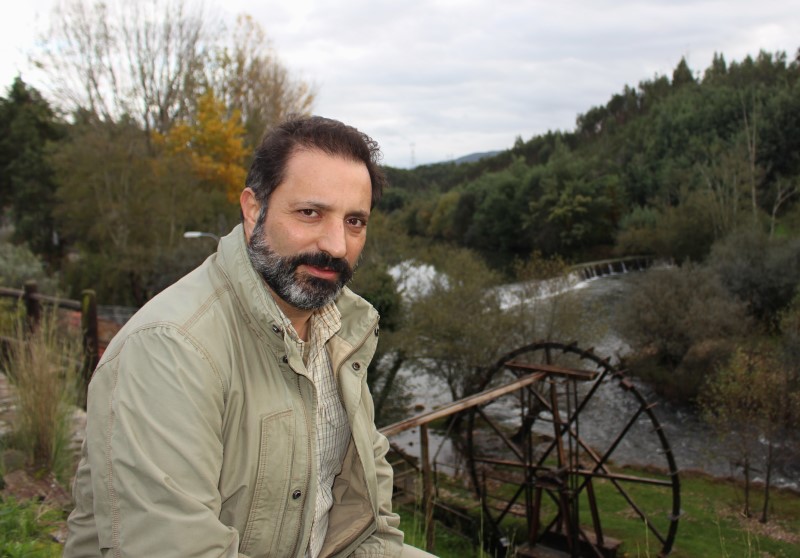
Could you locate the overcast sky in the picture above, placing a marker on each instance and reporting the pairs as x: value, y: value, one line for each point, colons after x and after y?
x: 433, y: 80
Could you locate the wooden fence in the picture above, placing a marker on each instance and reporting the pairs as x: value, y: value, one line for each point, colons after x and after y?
x: 33, y: 303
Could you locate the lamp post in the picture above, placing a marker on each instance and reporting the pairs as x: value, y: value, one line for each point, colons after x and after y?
x: 198, y: 234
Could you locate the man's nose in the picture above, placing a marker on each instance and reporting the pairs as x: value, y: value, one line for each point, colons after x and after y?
x: 332, y: 240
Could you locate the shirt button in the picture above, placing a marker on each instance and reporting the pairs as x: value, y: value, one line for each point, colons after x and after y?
x: 377, y: 330
x: 285, y: 359
x: 296, y: 494
x: 356, y: 366
x: 276, y: 329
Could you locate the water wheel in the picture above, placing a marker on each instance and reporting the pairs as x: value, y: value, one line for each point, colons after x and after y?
x: 542, y: 458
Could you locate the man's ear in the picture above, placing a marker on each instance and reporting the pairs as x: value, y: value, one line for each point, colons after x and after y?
x: 250, y: 210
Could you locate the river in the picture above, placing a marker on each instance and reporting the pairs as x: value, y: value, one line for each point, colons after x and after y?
x: 694, y: 445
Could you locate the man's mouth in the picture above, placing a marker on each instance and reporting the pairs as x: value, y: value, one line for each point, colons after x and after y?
x: 321, y: 272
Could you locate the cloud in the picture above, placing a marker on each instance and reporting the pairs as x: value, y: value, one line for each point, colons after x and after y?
x: 451, y: 77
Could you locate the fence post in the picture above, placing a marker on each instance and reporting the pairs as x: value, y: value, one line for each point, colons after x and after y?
x: 89, y: 330
x: 427, y: 490
x: 33, y: 310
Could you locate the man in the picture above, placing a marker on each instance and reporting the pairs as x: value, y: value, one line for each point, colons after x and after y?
x: 231, y: 415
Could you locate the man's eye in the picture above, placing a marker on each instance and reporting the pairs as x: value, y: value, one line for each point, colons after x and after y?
x: 356, y: 222
x: 308, y: 212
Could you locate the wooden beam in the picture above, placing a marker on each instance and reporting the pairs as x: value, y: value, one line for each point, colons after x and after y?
x: 461, y: 404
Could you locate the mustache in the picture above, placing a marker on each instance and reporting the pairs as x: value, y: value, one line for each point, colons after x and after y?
x: 323, y: 260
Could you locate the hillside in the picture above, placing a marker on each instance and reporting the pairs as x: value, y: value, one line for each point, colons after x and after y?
x: 666, y: 167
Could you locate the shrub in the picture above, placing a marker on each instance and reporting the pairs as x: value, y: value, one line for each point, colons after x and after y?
x: 43, y: 368
x: 762, y: 272
x: 18, y: 265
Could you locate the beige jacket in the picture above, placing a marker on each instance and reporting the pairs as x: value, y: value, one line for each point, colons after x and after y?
x: 200, y: 436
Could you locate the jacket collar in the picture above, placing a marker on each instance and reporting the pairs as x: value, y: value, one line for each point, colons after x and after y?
x: 258, y: 307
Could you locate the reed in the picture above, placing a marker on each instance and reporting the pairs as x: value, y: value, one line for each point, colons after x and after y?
x: 43, y: 368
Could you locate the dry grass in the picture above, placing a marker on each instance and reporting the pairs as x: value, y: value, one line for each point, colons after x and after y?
x: 43, y: 368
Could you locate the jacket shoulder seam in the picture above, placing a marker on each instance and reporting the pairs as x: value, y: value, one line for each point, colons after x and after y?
x: 188, y: 338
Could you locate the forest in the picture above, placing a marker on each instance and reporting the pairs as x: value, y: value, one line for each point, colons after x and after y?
x: 700, y: 170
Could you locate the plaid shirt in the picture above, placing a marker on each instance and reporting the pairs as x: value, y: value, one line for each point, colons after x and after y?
x: 332, y: 426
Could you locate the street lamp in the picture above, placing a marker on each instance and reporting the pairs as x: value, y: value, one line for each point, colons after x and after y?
x: 198, y: 234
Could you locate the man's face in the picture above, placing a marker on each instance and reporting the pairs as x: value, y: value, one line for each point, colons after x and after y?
x: 314, y: 230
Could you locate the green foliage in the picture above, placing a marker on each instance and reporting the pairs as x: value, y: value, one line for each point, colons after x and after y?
x: 684, y: 232
x: 703, y: 156
x: 710, y: 525
x: 447, y: 544
x: 19, y: 265
x: 27, y: 186
x: 460, y: 325
x: 685, y: 318
x: 24, y: 530
x: 127, y: 221
x: 762, y: 272
x: 494, y: 227
x: 637, y: 232
x: 456, y: 328
x: 752, y: 401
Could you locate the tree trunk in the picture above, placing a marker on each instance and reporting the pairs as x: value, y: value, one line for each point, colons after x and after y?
x: 387, y: 385
x: 767, y: 481
x: 746, y: 511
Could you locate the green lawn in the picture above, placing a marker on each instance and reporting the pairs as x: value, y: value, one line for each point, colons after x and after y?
x: 711, y: 523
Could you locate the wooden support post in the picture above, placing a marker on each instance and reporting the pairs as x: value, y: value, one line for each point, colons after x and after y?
x: 89, y: 331
x: 598, y: 530
x: 427, y: 489
x: 33, y: 310
x: 533, y: 533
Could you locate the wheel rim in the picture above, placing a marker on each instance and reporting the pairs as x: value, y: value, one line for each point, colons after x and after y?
x: 552, y: 481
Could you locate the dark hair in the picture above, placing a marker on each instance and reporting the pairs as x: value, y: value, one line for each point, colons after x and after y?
x: 315, y: 132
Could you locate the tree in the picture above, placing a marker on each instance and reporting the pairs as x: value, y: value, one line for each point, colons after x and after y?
x: 753, y: 401
x: 27, y: 185
x: 152, y: 61
x: 761, y: 272
x: 125, y: 209
x: 729, y: 182
x: 248, y: 77
x: 456, y: 329
x: 685, y: 318
x: 682, y: 75
x: 134, y: 58
x: 214, y: 143
x: 464, y: 321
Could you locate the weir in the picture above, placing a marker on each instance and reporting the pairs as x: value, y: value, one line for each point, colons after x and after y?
x: 591, y: 270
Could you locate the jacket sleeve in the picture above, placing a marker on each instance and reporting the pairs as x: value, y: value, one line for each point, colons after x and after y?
x: 154, y: 436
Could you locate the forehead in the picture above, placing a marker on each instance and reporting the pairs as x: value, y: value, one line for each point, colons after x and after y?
x: 314, y: 173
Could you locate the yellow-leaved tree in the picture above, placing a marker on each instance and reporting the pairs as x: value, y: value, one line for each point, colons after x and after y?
x: 214, y: 144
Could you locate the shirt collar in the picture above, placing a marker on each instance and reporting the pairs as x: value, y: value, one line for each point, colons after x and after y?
x: 323, y: 324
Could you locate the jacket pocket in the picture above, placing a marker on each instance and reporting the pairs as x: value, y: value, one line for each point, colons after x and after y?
x: 272, y: 484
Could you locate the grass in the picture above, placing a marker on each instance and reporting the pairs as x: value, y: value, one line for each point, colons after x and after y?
x: 447, y: 543
x: 43, y: 368
x: 24, y: 530
x: 710, y: 525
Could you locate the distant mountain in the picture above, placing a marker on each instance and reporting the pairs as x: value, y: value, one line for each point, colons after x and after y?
x: 472, y: 157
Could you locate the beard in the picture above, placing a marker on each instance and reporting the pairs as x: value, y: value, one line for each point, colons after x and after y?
x: 302, y: 291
